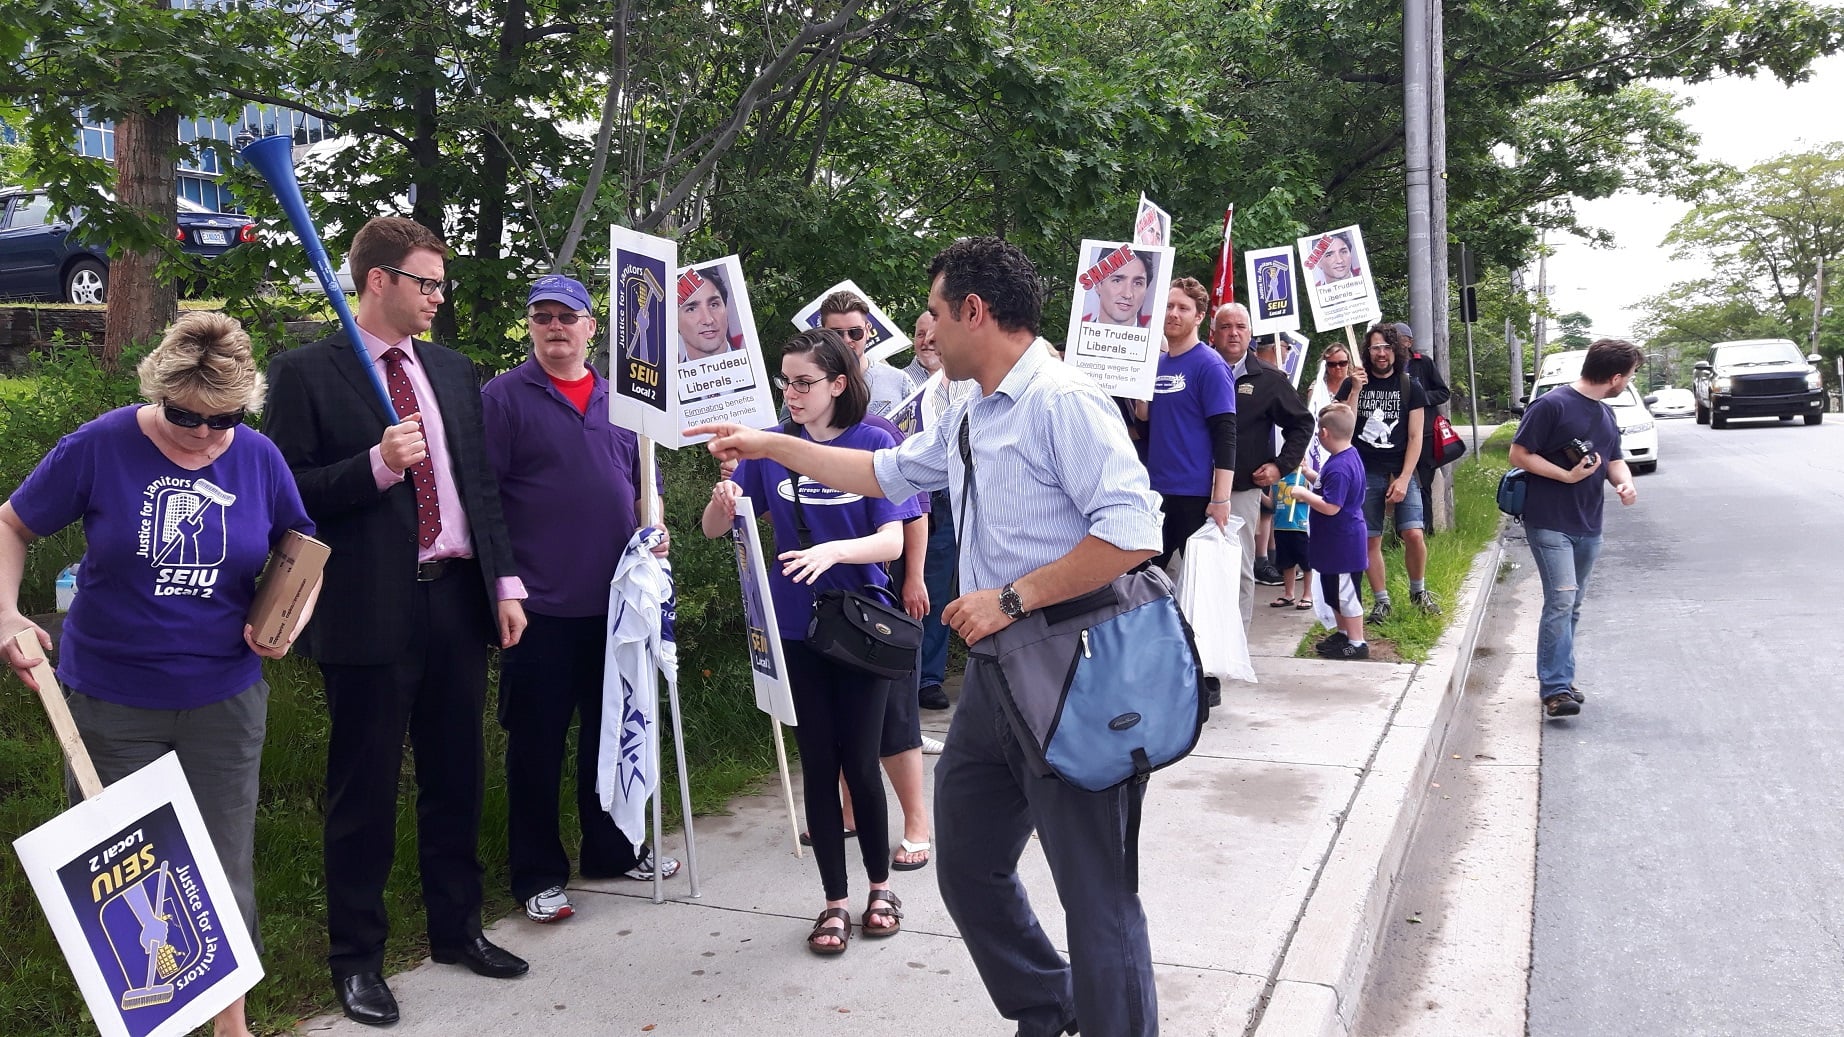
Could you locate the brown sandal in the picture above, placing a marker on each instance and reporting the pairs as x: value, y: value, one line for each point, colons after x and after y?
x: 883, y: 904
x: 820, y: 928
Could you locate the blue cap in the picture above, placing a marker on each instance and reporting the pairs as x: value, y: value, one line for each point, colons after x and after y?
x: 558, y: 288
x: 1403, y: 330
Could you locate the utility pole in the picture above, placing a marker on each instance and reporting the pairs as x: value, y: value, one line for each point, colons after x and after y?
x: 1415, y: 111
x: 1513, y: 348
x: 1818, y: 304
x: 1541, y: 337
x: 1440, y: 348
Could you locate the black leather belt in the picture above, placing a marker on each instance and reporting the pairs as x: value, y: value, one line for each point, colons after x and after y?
x: 429, y: 572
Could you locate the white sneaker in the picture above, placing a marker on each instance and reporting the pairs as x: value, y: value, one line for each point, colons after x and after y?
x: 932, y: 746
x: 552, y: 905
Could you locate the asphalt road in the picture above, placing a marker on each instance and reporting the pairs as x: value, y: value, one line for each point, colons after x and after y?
x: 1690, y: 846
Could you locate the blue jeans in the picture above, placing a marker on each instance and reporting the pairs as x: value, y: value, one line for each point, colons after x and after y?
x: 1564, y: 561
x: 938, y: 574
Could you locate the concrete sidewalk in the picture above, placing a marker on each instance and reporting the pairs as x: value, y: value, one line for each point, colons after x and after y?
x: 1266, y: 858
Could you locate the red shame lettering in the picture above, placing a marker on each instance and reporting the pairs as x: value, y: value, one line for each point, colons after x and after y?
x: 1111, y: 262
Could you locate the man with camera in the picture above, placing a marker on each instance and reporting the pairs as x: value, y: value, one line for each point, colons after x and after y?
x: 1570, y: 444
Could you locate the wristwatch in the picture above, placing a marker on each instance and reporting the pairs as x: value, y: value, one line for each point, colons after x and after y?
x: 1010, y: 603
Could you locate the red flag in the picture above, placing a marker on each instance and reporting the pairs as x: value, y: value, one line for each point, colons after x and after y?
x: 1223, y: 286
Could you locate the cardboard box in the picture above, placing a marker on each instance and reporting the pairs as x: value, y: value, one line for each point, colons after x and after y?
x: 287, y: 585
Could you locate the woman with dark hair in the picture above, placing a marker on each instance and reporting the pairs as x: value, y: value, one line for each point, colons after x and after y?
x: 825, y: 539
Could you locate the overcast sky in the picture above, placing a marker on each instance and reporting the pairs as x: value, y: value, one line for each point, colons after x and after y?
x: 1742, y: 122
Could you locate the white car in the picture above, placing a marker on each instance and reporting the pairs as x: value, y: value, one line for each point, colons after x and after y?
x: 1638, y: 429
x: 1674, y: 403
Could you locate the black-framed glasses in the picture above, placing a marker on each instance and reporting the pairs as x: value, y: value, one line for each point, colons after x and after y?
x: 855, y: 334
x: 802, y: 386
x: 193, y: 419
x: 542, y: 318
x: 426, y: 285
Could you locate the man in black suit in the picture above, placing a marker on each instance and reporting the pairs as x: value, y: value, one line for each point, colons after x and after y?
x: 420, y: 579
x: 1265, y: 401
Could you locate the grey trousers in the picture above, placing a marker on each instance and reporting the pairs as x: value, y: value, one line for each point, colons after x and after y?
x: 220, y: 749
x: 987, y: 803
x: 1246, y: 505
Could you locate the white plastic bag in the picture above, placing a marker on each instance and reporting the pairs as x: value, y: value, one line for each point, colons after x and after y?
x: 1209, y: 588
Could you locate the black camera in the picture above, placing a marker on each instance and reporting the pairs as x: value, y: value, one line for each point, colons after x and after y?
x: 1575, y: 450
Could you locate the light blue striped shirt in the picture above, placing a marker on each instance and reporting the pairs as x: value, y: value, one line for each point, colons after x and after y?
x: 1052, y: 465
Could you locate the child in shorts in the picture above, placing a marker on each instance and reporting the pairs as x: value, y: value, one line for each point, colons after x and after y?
x: 1339, y: 540
x: 1290, y: 540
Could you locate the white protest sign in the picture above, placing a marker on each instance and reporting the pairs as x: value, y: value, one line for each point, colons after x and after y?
x: 1338, y: 279
x: 1117, y: 315
x: 642, y: 271
x: 1151, y: 225
x: 765, y: 661
x: 720, y: 375
x: 886, y: 338
x: 140, y: 906
x: 1274, y: 292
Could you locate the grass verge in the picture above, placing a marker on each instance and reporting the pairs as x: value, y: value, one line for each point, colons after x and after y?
x: 1411, y: 633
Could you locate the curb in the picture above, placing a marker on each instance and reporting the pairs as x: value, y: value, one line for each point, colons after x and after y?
x: 1327, y: 960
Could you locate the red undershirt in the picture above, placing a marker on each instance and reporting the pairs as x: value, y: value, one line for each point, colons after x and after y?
x: 576, y: 392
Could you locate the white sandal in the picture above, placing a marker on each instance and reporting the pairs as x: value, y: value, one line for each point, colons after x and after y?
x: 909, y: 847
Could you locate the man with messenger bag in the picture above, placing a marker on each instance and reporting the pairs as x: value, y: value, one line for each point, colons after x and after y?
x: 1053, y: 594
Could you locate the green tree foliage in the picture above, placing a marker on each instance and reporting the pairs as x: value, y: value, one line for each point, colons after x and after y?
x: 1760, y: 233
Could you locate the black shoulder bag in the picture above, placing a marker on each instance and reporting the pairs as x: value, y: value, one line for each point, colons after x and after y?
x: 865, y: 629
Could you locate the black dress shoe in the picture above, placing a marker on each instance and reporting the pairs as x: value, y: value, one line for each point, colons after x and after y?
x: 366, y: 999
x: 932, y: 697
x: 483, y: 958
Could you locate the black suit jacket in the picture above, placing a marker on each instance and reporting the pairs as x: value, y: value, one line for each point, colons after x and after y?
x: 325, y: 416
x: 1265, y: 401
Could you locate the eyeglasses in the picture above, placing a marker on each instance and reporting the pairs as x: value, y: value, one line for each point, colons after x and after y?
x: 192, y: 419
x: 1338, y: 363
x: 854, y: 334
x: 799, y: 385
x: 543, y: 317
x: 426, y: 285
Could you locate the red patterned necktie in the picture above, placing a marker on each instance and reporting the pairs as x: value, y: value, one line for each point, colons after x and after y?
x: 422, y: 473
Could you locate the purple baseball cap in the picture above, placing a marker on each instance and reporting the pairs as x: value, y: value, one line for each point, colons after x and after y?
x: 558, y: 288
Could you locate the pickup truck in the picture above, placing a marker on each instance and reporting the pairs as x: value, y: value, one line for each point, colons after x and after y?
x: 1757, y: 378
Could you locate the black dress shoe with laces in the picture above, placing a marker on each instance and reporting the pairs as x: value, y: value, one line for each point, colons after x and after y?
x: 483, y: 959
x: 366, y: 999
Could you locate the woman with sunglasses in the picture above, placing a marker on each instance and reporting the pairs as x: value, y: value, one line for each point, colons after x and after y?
x: 180, y: 504
x: 841, y: 709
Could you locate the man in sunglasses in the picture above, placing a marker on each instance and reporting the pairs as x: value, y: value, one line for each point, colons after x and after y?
x: 421, y: 579
x: 560, y: 463
x: 1266, y: 403
x: 847, y: 313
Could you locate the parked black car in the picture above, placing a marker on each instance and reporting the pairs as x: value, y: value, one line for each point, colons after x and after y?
x: 1758, y: 378
x: 43, y: 254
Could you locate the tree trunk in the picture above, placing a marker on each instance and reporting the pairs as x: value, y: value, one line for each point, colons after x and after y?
x: 495, y: 166
x: 141, y: 305
x: 426, y: 208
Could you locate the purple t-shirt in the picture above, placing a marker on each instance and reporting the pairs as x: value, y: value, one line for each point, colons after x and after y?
x: 1555, y: 418
x: 831, y: 515
x: 171, y: 561
x: 1340, y: 543
x: 1189, y: 390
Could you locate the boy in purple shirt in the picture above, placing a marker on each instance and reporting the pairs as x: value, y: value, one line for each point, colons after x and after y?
x: 1337, y: 544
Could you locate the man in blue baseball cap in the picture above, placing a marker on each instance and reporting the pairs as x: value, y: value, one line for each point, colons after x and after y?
x: 562, y: 468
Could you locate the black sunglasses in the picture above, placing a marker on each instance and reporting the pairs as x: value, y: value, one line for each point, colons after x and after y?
x: 426, y: 285
x: 851, y: 333
x: 541, y: 318
x: 192, y: 419
x: 1338, y: 363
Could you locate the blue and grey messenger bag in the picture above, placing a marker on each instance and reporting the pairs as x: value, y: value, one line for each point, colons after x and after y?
x: 1105, y: 688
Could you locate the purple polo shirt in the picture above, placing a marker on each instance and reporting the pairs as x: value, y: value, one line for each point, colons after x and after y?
x: 567, y: 485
